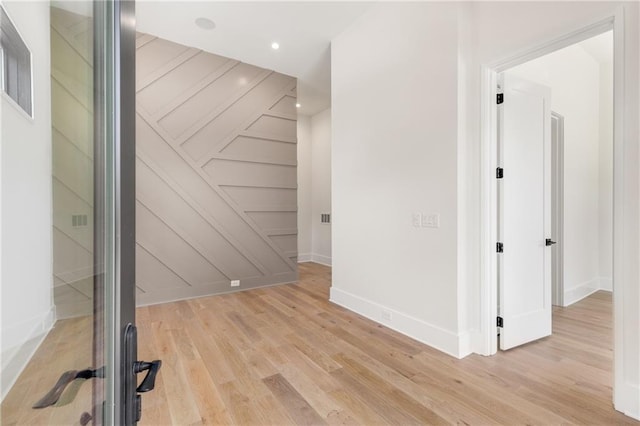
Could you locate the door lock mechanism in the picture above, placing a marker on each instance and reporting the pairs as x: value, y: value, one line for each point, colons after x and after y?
x: 133, y: 401
x: 549, y: 242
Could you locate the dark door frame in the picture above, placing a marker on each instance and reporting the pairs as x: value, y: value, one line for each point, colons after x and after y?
x: 114, y: 110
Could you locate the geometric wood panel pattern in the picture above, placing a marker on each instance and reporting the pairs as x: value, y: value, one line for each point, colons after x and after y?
x: 216, y: 173
x: 72, y: 166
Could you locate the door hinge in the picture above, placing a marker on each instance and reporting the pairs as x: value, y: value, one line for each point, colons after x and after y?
x: 499, y: 173
x: 500, y: 98
x: 499, y: 247
x: 499, y: 322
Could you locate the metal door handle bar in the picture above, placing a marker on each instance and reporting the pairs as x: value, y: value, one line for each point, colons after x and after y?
x: 149, y: 381
x: 67, y: 377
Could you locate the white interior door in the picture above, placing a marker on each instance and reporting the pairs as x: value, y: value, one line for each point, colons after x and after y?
x: 525, y: 212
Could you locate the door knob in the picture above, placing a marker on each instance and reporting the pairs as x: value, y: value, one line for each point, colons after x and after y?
x: 549, y: 242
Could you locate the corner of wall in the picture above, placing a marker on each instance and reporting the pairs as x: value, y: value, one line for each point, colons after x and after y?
x: 16, y: 358
x: 457, y: 345
x: 321, y: 186
x: 26, y: 302
x: 627, y: 400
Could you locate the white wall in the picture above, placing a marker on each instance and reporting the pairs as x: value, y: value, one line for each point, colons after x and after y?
x: 26, y: 287
x: 314, y: 187
x: 304, y: 188
x: 406, y: 137
x: 528, y: 25
x: 606, y: 175
x: 574, y: 78
x: 394, y: 152
x: 321, y: 186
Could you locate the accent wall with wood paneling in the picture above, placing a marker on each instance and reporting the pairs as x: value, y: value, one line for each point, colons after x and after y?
x: 216, y: 173
x: 72, y: 168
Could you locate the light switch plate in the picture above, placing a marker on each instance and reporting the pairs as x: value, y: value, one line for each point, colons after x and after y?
x: 416, y: 220
x: 431, y: 220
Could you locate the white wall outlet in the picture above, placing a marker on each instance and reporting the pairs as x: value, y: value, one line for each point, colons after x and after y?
x: 415, y: 219
x: 387, y: 315
x: 431, y: 220
x: 235, y: 283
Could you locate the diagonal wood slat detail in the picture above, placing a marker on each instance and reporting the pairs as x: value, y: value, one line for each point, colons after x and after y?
x: 72, y: 166
x: 231, y: 137
x: 191, y: 105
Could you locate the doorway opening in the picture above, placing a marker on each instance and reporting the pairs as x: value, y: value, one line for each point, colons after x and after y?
x: 555, y: 203
x: 491, y: 225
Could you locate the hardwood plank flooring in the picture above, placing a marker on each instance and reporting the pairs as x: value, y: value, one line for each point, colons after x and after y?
x: 324, y: 364
x: 285, y: 355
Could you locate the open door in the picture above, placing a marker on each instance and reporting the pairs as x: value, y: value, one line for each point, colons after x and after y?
x: 85, y: 371
x: 524, y: 194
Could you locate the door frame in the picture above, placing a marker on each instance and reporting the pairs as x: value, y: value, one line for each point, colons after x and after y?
x: 488, y: 342
x: 557, y: 212
x: 115, y: 202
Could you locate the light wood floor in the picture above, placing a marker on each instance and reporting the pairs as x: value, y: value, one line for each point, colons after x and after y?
x: 285, y: 355
x: 67, y: 347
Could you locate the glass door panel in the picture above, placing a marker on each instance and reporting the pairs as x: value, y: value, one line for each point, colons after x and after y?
x: 72, y: 369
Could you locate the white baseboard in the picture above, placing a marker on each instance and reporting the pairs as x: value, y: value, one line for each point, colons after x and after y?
x: 606, y: 283
x: 581, y: 291
x: 315, y: 258
x: 479, y: 344
x: 587, y: 288
x: 20, y: 342
x: 456, y: 345
x: 627, y: 400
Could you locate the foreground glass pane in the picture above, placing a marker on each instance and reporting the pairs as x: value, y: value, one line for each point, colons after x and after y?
x: 60, y: 372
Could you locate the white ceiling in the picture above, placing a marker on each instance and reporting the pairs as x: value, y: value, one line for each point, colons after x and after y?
x: 245, y: 31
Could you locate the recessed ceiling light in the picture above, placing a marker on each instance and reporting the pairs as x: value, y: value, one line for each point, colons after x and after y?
x: 297, y: 105
x: 275, y: 46
x: 205, y: 23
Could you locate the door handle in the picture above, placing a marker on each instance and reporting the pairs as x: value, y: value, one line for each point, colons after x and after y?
x: 65, y: 379
x: 132, y: 399
x: 549, y: 242
x: 149, y: 381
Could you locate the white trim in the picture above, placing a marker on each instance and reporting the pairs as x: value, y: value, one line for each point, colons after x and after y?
x: 606, y: 283
x: 629, y: 400
x: 315, y: 258
x: 15, y: 335
x: 16, y: 355
x: 580, y: 291
x: 321, y: 259
x: 557, y: 212
x: 550, y: 46
x: 487, y: 344
x: 456, y: 345
x: 620, y: 146
x: 585, y: 289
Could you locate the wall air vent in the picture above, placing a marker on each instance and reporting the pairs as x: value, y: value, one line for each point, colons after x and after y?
x: 79, y: 220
